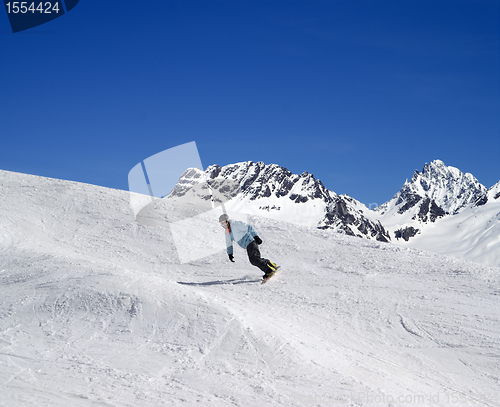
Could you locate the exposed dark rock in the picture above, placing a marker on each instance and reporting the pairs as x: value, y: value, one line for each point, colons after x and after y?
x: 406, y: 233
x: 286, y: 185
x: 298, y: 198
x: 215, y: 171
x: 429, y: 210
x: 340, y: 210
x: 411, y: 201
x: 481, y: 201
x: 340, y: 216
x: 424, y: 210
x: 436, y: 212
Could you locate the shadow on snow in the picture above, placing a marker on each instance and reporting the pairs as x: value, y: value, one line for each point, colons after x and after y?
x: 241, y: 280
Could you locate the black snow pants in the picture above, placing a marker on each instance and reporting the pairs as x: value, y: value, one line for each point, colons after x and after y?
x: 254, y: 257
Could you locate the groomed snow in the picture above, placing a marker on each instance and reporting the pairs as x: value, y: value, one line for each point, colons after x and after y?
x: 96, y: 310
x: 472, y: 234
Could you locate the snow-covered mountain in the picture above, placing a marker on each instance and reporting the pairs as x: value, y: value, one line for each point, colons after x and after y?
x: 445, y: 187
x: 97, y: 310
x: 446, y: 211
x: 274, y: 192
x: 437, y: 193
x: 473, y: 233
x: 432, y: 194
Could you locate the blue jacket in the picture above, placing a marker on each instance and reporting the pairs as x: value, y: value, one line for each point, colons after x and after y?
x: 241, y: 233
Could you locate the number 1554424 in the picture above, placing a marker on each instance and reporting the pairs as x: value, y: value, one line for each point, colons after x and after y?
x: 27, y: 7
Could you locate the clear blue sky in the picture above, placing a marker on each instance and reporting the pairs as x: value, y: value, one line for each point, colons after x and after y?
x: 359, y: 93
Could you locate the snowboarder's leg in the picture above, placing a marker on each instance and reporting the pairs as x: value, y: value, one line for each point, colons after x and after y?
x: 254, y: 256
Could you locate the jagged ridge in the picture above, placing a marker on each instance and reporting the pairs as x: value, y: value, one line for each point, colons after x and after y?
x: 434, y: 193
x: 271, y: 190
x: 271, y: 187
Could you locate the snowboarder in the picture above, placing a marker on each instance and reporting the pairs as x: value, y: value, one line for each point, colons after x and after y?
x: 246, y: 236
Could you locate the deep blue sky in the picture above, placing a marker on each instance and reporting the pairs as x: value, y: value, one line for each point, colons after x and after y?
x: 359, y: 93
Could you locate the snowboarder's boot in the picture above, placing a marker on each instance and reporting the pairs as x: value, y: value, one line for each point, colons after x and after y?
x: 267, y: 275
x: 272, y: 266
x: 272, y: 269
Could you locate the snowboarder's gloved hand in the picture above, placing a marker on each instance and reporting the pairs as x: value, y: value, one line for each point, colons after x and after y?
x: 231, y: 257
x: 257, y: 239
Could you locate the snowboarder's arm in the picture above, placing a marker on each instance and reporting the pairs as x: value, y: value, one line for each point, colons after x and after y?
x: 229, y: 244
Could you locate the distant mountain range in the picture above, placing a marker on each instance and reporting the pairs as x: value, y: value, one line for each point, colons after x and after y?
x: 438, y: 195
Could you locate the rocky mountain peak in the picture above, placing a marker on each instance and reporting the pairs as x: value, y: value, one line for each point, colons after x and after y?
x: 446, y: 187
x: 272, y: 190
x: 258, y: 180
x: 435, y: 192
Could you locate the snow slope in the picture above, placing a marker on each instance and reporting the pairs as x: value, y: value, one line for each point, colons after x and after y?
x: 472, y: 234
x: 96, y: 310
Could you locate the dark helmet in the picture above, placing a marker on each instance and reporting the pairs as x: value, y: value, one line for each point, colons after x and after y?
x: 223, y: 217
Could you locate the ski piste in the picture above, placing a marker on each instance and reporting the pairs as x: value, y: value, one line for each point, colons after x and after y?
x: 265, y: 280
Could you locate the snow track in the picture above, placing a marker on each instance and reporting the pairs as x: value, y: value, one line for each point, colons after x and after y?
x: 97, y: 311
